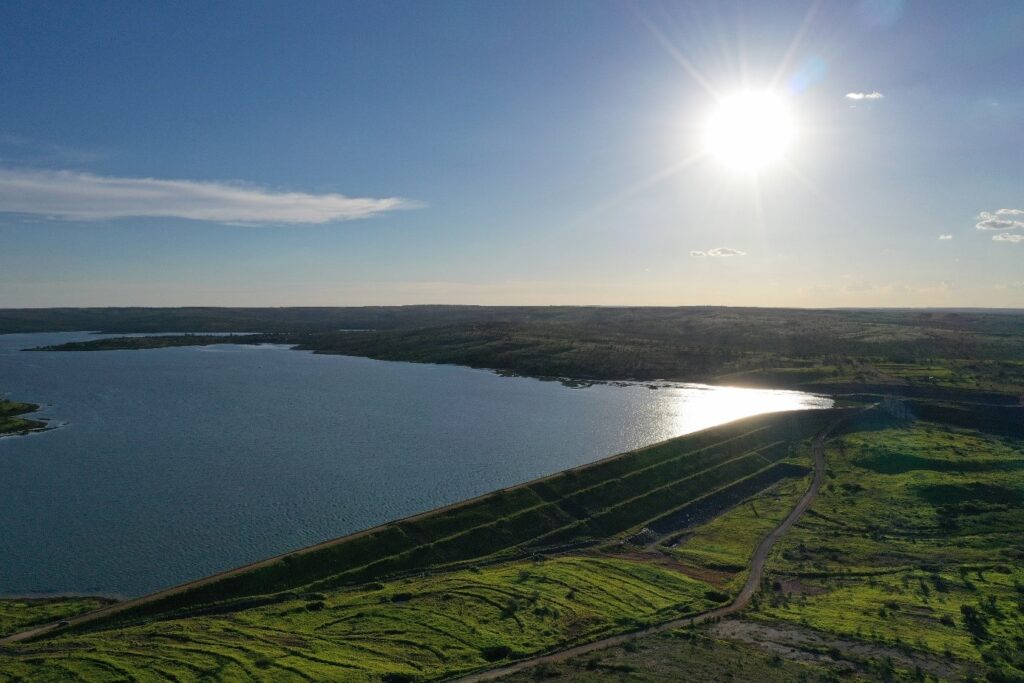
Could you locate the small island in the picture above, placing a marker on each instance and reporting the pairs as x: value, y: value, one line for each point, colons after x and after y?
x: 12, y: 422
x: 164, y: 341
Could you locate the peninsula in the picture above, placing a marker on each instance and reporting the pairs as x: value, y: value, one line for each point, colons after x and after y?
x: 13, y: 420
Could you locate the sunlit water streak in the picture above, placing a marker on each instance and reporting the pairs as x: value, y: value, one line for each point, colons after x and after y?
x: 176, y: 463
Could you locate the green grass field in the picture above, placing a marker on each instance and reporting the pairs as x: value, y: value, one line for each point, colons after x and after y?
x: 726, y: 543
x: 411, y: 629
x: 915, y: 542
x: 18, y: 614
x: 908, y: 567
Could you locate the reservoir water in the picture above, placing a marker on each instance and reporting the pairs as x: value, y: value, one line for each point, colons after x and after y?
x: 171, y: 464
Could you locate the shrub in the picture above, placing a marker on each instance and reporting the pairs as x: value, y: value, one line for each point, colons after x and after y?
x: 397, y: 677
x: 495, y: 652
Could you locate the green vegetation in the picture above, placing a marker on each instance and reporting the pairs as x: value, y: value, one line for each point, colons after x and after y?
x: 411, y: 629
x: 1003, y: 376
x: 928, y: 350
x: 915, y: 543
x: 11, y: 421
x: 909, y: 495
x: 726, y: 543
x: 18, y: 614
x: 907, y: 567
x: 166, y: 341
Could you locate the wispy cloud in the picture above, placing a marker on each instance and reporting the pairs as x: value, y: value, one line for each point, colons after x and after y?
x: 873, y: 95
x: 85, y: 196
x: 718, y: 251
x: 1009, y: 237
x: 943, y: 238
x: 725, y: 251
x: 18, y: 150
x: 999, y: 220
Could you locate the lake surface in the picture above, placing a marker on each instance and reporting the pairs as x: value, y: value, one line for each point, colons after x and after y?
x: 172, y: 464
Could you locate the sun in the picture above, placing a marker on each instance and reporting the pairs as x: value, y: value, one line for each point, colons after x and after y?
x: 750, y: 130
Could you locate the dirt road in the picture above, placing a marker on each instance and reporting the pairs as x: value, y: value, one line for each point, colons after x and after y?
x: 741, y: 601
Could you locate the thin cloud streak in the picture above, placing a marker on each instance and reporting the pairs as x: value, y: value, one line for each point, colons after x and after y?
x: 874, y: 95
x: 1008, y: 237
x: 74, y: 195
x: 720, y: 252
x: 945, y: 238
x: 17, y: 150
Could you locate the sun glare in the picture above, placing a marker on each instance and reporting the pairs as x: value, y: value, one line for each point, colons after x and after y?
x: 750, y: 130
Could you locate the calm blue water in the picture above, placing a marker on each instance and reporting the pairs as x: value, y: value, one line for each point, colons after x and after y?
x: 172, y: 464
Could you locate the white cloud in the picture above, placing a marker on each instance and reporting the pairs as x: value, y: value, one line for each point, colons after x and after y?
x: 725, y: 251
x: 945, y: 237
x: 1008, y: 237
x: 85, y: 196
x: 998, y: 220
x: 873, y: 95
x: 718, y: 251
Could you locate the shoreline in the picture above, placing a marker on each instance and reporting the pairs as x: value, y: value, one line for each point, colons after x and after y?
x: 109, y: 598
x: 801, y: 372
x: 13, y: 422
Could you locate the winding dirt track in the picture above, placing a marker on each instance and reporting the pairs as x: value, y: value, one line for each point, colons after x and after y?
x: 741, y: 601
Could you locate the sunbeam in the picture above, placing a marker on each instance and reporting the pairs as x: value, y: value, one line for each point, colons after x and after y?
x: 639, y: 186
x: 678, y: 56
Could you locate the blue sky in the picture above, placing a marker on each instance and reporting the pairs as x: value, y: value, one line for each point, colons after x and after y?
x: 281, y: 153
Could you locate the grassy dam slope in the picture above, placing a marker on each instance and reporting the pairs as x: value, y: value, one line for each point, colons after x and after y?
x: 516, y: 572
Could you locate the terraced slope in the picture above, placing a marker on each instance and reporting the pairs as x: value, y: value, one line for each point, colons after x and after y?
x: 410, y: 629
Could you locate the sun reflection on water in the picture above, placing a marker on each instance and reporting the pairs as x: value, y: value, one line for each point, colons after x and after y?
x: 716, y: 405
